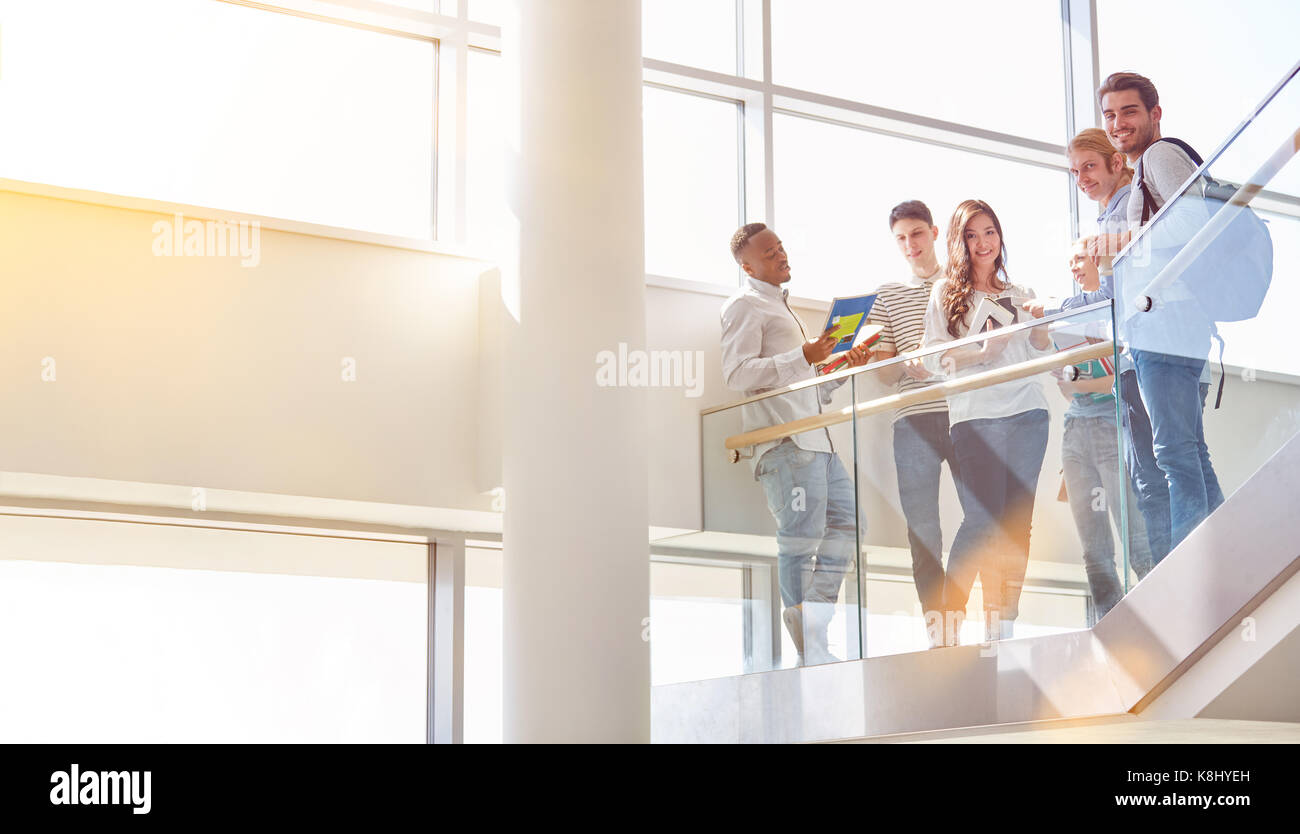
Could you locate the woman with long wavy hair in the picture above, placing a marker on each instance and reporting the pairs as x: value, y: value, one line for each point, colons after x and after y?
x: 999, y: 433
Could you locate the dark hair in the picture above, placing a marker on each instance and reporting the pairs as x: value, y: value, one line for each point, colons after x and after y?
x: 910, y: 210
x: 1117, y: 81
x: 961, y: 279
x: 742, y: 237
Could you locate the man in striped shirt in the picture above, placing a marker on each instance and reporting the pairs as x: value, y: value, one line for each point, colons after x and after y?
x: 921, y: 439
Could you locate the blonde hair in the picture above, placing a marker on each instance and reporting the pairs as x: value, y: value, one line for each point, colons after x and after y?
x: 961, y: 279
x: 1095, y: 139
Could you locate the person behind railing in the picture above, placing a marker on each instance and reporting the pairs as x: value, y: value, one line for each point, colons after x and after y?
x: 999, y: 432
x: 1170, y: 344
x: 1102, y: 174
x: 921, y: 439
x: 1090, y: 460
x: 808, y: 490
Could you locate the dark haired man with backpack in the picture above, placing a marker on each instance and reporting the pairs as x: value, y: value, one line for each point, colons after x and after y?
x: 1169, y: 346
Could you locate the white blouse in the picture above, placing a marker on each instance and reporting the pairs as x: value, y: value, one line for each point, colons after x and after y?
x: 1004, y: 399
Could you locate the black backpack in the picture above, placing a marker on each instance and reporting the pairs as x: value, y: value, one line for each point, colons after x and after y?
x: 1231, y: 277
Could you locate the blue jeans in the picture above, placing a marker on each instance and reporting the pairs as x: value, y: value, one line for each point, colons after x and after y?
x: 1090, y: 458
x: 1144, y: 473
x: 1174, y: 397
x: 921, y: 445
x: 812, y: 499
x: 1000, y: 459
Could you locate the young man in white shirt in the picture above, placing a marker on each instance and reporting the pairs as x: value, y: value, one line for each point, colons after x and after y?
x: 921, y: 438
x: 766, y: 346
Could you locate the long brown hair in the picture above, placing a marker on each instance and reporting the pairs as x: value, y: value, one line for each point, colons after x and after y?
x: 961, y: 280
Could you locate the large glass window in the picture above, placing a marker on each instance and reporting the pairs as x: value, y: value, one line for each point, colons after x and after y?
x: 221, y: 105
x: 250, y: 649
x: 484, y: 642
x: 835, y: 187
x: 1212, y: 63
x: 698, y: 33
x: 692, y: 185
x: 485, y: 196
x: 995, y: 66
x: 484, y: 11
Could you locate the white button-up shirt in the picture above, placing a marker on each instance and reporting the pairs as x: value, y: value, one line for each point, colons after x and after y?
x: 762, y: 349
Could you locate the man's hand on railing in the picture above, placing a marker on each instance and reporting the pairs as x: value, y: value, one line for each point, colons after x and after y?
x: 915, y: 368
x: 818, y: 350
x: 1105, y: 246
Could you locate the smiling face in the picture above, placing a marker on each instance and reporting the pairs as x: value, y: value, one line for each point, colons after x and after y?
x: 915, y: 239
x: 764, y: 258
x: 1130, y: 126
x: 983, y: 243
x: 1096, y: 176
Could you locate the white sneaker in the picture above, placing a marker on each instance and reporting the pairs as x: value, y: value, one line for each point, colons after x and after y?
x: 793, y: 619
x: 816, y: 621
x: 818, y: 654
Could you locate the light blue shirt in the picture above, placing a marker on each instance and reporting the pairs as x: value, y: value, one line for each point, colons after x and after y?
x: 1112, y: 220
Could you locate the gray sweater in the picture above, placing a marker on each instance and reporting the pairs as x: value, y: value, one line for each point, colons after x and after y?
x: 1164, y: 170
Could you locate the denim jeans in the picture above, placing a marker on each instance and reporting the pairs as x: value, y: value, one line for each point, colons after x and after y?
x: 812, y: 499
x: 1144, y: 473
x: 1171, y: 389
x: 1213, y: 492
x: 1000, y: 459
x: 921, y: 445
x: 1090, y: 458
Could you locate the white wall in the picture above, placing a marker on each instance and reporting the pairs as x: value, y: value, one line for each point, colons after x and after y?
x: 196, y: 370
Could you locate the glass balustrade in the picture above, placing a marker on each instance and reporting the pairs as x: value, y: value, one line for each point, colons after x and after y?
x: 801, y: 493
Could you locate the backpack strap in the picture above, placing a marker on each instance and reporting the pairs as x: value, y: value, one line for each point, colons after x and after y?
x: 1185, y: 148
x: 1223, y: 375
x: 1149, y: 202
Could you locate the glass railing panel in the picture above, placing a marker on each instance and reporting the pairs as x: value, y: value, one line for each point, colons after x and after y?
x: 784, y: 508
x: 697, y: 619
x: 1026, y: 534
x: 1205, y: 299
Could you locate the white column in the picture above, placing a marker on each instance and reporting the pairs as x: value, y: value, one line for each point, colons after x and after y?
x: 574, y: 465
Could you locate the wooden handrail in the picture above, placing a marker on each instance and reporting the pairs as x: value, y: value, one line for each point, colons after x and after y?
x: 927, y: 394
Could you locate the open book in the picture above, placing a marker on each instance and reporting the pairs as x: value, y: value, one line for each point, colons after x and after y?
x: 990, y: 314
x: 847, y: 322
